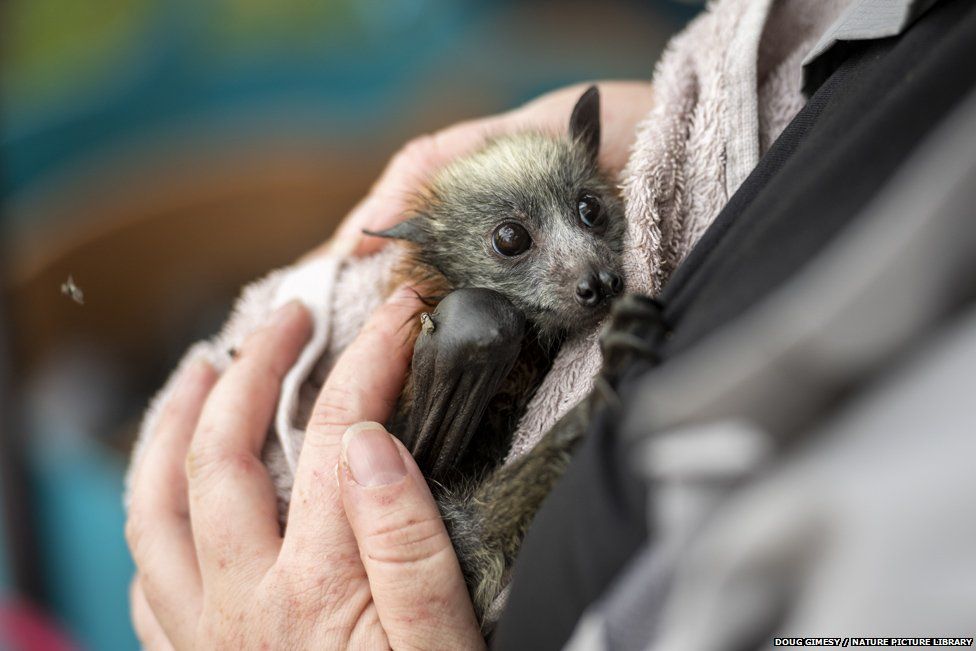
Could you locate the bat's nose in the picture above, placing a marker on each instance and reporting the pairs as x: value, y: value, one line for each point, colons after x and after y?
x: 594, y: 286
x: 611, y: 282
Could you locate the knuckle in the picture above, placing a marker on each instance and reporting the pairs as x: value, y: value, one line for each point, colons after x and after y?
x: 152, y: 593
x: 337, y: 407
x: 335, y: 596
x: 297, y: 590
x: 147, y: 629
x: 417, y: 152
x: 212, y: 461
x: 138, y: 529
x: 440, y: 140
x: 142, y: 628
x: 407, y: 542
x: 134, y: 532
x: 147, y: 587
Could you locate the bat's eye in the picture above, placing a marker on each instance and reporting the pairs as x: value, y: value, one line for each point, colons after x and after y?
x: 590, y: 210
x: 511, y: 239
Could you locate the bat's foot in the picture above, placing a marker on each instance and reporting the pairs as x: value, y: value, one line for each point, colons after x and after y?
x: 628, y: 334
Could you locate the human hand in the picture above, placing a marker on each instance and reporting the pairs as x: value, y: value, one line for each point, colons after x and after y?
x: 365, y: 562
x: 623, y: 105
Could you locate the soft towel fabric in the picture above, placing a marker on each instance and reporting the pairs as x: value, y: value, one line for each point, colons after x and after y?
x: 725, y: 87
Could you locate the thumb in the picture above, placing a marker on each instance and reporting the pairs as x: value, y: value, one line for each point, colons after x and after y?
x: 413, y: 572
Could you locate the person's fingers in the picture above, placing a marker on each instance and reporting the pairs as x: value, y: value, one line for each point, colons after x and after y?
x: 150, y: 633
x: 158, y: 527
x: 232, y: 501
x: 364, y: 385
x: 622, y: 105
x: 413, y: 572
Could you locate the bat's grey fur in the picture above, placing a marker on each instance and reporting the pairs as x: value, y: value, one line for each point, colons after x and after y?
x: 535, y: 180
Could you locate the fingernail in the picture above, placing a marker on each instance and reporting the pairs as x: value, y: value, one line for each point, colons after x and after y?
x: 371, y: 455
x: 285, y: 313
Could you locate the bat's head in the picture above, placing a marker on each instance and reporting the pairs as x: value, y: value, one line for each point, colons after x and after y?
x: 532, y: 217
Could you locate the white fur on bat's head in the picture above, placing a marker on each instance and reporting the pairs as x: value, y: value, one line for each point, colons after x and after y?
x: 530, y: 216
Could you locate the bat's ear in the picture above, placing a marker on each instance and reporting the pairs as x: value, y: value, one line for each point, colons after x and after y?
x: 584, y: 123
x: 410, y: 230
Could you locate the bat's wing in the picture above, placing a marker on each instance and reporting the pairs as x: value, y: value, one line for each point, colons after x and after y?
x: 461, y: 357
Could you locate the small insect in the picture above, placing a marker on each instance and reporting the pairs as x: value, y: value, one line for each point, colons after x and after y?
x: 72, y: 291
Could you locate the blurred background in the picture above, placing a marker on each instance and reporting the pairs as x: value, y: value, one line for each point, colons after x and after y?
x: 165, y: 152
